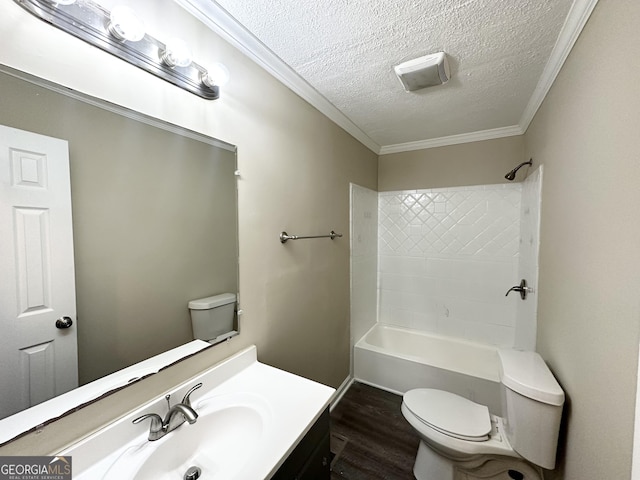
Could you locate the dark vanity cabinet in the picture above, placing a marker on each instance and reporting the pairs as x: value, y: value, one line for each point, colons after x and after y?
x: 311, y: 459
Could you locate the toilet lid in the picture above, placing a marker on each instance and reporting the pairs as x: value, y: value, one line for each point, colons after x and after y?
x: 449, y: 413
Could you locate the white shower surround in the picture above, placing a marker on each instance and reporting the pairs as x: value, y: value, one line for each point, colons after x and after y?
x: 445, y: 258
x: 364, y: 261
x: 527, y: 312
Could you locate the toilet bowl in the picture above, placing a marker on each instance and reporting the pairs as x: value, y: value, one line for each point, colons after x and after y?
x: 461, y: 439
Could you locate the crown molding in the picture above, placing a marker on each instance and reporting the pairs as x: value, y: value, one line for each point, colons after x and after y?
x: 225, y: 25
x: 221, y: 22
x: 453, y: 140
x: 574, y: 23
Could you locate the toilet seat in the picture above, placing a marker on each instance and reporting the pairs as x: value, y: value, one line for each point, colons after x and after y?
x: 449, y: 414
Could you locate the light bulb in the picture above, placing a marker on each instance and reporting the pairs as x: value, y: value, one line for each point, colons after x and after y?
x: 125, y: 24
x: 176, y: 53
x: 217, y: 75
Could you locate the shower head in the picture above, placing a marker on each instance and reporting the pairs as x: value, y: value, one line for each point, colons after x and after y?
x: 512, y: 174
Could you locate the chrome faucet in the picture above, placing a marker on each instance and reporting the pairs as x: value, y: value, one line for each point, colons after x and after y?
x: 176, y: 416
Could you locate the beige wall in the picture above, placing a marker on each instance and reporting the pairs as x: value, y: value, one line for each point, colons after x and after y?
x: 154, y: 223
x: 586, y: 135
x: 295, y: 167
x: 476, y: 163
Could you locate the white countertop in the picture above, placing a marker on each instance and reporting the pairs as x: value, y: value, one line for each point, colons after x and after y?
x: 291, y: 405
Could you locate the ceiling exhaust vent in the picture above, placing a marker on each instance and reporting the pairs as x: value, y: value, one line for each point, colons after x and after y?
x: 428, y: 71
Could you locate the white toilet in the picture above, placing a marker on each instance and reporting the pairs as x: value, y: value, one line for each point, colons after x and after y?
x: 461, y: 440
x: 212, y: 317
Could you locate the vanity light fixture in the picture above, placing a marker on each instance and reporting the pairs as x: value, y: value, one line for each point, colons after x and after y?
x: 176, y: 53
x: 122, y: 33
x: 217, y: 74
x: 125, y: 25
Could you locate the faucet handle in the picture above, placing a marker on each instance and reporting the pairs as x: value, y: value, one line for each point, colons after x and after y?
x: 523, y: 289
x: 156, y: 428
x: 187, y: 400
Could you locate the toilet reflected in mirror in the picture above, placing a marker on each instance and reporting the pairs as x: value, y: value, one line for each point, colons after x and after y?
x: 213, y: 319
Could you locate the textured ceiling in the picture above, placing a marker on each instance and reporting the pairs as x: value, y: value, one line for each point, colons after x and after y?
x: 346, y: 49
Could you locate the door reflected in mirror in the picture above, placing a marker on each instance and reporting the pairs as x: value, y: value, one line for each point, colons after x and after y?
x: 154, y: 222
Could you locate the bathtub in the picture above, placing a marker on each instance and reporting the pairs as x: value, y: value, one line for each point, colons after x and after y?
x: 399, y: 359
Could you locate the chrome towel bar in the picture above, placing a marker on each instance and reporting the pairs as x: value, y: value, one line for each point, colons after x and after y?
x: 284, y: 236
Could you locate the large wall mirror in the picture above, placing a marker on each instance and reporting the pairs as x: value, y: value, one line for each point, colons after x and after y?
x: 154, y: 221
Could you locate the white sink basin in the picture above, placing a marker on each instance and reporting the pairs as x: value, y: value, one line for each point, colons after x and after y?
x: 228, y: 429
x: 250, y: 418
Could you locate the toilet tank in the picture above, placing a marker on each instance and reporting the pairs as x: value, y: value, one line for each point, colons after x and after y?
x: 532, y: 406
x: 212, y: 316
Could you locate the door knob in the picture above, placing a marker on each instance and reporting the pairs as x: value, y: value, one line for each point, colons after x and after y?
x: 64, y: 322
x: 522, y: 288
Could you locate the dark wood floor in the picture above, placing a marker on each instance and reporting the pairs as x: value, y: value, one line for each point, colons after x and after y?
x: 375, y: 439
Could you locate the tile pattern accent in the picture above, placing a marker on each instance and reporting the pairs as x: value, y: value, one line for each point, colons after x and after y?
x: 447, y: 257
x: 451, y: 222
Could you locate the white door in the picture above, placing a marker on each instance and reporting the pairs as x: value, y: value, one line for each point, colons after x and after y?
x: 38, y: 360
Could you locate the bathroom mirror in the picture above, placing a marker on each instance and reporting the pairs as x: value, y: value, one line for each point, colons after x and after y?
x: 154, y: 220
